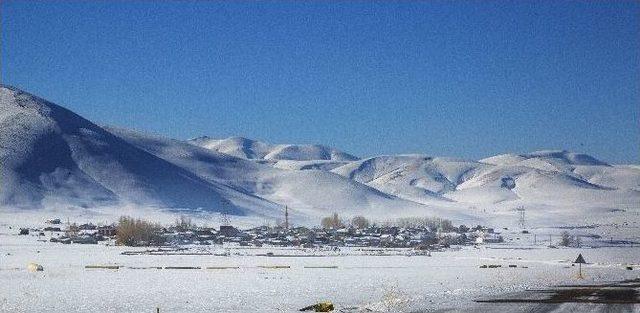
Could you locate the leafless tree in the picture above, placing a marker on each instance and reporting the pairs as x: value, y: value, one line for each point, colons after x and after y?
x: 332, y: 221
x: 359, y: 222
x: 184, y: 223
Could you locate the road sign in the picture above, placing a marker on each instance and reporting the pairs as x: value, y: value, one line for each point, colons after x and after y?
x: 580, y: 260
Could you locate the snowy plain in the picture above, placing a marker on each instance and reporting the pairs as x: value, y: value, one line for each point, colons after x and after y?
x: 395, y: 282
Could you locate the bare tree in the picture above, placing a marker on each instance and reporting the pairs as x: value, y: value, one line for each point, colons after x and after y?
x: 577, y: 242
x: 565, y: 239
x: 184, y: 223
x: 359, y: 222
x: 332, y: 221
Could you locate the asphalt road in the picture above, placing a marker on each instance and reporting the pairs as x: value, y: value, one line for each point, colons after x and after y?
x: 621, y: 296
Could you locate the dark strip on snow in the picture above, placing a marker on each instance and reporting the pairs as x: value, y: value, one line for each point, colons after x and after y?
x: 623, y: 292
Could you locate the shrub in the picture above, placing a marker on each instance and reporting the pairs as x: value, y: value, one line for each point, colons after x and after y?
x: 137, y: 232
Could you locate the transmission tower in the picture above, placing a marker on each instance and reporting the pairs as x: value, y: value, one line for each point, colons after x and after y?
x: 521, y: 219
x: 224, y: 216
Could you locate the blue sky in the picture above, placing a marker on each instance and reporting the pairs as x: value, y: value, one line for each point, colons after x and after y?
x: 454, y: 78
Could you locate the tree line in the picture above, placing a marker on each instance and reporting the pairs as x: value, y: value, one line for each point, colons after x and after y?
x: 334, y: 221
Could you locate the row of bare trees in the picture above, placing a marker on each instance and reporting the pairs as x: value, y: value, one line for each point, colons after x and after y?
x: 418, y: 222
x: 334, y: 221
x: 566, y: 240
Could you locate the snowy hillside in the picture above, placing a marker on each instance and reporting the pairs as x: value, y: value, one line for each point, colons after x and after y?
x: 325, y: 165
x: 558, y: 157
x: 52, y: 158
x: 417, y: 177
x: 543, y: 178
x: 308, y: 193
x: 252, y: 149
x: 56, y: 160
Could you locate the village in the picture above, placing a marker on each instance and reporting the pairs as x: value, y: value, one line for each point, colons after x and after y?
x: 420, y: 234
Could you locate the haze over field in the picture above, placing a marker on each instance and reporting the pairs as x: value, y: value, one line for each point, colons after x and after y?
x: 56, y: 161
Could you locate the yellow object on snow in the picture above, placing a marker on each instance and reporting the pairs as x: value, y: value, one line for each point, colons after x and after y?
x: 325, y: 306
x: 34, y: 267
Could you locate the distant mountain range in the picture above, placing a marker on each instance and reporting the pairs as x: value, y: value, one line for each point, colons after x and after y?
x: 53, y: 158
x: 256, y: 150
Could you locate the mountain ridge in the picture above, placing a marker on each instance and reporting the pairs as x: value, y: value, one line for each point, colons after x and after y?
x: 253, y: 149
x: 54, y: 158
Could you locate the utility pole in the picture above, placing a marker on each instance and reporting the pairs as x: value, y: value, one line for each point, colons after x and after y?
x: 286, y: 217
x: 224, y: 217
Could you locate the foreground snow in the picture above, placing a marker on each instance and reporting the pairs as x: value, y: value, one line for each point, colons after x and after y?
x: 398, y: 283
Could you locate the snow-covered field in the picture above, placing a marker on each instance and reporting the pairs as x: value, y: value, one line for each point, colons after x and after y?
x: 450, y: 279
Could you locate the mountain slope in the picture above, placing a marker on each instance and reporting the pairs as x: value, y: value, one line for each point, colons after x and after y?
x: 252, y: 149
x: 417, y: 177
x: 310, y: 193
x: 51, y: 156
x: 556, y: 178
x: 551, y: 156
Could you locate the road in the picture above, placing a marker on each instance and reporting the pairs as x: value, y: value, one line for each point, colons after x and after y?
x: 621, y: 296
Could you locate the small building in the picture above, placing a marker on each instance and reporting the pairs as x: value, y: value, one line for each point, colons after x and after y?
x: 87, y: 226
x: 107, y: 231
x: 228, y: 231
x: 489, y: 238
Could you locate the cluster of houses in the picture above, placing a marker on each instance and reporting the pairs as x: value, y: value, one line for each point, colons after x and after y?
x: 372, y: 236
x: 72, y: 233
x: 420, y: 237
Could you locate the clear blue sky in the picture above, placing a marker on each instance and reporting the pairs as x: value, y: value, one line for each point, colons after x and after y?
x: 454, y: 78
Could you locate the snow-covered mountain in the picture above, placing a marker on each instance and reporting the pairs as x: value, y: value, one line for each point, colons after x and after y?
x: 543, y: 178
x: 310, y: 193
x: 53, y: 158
x: 420, y: 178
x: 252, y: 149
